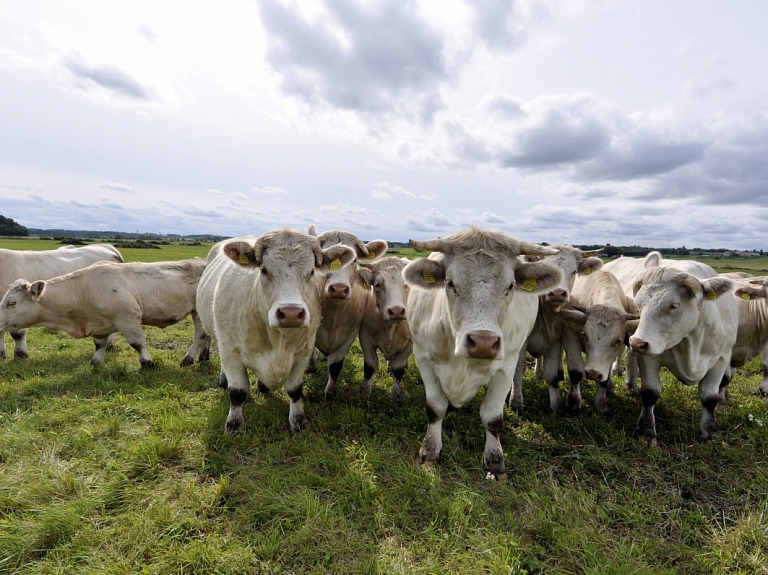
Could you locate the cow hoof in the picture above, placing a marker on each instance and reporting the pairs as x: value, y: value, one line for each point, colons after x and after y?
x: 651, y: 442
x: 262, y: 388
x: 632, y: 391
x: 148, y: 364
x: 311, y: 369
x: 396, y: 395
x: 298, y: 424
x: 187, y: 361
x: 365, y: 391
x: 17, y: 355
x: 235, y: 426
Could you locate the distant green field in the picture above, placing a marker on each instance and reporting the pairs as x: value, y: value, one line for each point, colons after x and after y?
x: 174, y: 251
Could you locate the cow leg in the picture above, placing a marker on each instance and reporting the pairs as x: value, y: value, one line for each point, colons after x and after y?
x: 2, y: 345
x: 632, y: 373
x: 293, y: 387
x: 437, y: 407
x: 110, y: 342
x: 764, y: 384
x: 601, y: 397
x: 397, y: 367
x: 370, y: 363
x: 200, y: 343
x: 101, y: 344
x: 650, y: 392
x: 575, y: 361
x: 516, y: 401
x: 238, y: 386
x: 709, y: 393
x: 312, y: 365
x: 134, y: 335
x: 491, y: 414
x: 20, y: 344
x: 551, y: 362
x: 723, y: 394
x: 335, y: 363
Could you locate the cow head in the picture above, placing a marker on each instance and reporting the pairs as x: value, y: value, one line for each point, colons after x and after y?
x: 390, y: 291
x: 20, y: 306
x: 670, y: 301
x: 286, y: 262
x: 481, y: 274
x: 571, y: 261
x: 339, y: 281
x: 752, y: 288
x: 603, y: 330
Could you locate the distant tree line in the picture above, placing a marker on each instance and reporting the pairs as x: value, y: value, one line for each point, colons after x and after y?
x: 10, y: 228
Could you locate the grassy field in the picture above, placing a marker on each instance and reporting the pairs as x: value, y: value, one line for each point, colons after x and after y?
x: 116, y: 470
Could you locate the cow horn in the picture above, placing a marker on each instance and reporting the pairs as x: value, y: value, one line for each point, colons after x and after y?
x: 436, y: 245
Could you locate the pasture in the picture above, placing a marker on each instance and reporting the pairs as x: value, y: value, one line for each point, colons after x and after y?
x: 118, y: 470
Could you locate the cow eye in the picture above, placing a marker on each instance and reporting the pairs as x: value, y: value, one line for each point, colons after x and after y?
x: 10, y: 304
x: 618, y: 341
x: 673, y: 307
x: 378, y: 285
x: 263, y: 270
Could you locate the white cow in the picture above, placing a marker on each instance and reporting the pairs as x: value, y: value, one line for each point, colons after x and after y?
x: 344, y: 299
x: 752, y: 337
x: 545, y: 340
x: 473, y: 307
x: 687, y: 324
x: 626, y: 270
x: 259, y: 299
x: 599, y: 324
x: 42, y: 265
x: 109, y: 297
x: 385, y: 324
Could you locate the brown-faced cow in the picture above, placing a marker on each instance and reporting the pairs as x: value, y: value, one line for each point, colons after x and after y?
x: 752, y: 337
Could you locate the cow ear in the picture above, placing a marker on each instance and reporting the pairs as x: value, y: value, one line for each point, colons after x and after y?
x: 376, y: 249
x: 715, y: 287
x: 695, y: 289
x: 589, y: 265
x: 35, y: 290
x: 748, y: 292
x: 652, y: 260
x: 336, y: 257
x: 242, y: 253
x: 637, y: 285
x: 364, y: 276
x: 537, y: 277
x: 574, y: 318
x: 424, y: 273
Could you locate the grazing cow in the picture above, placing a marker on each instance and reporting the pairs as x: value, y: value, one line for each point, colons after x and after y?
x: 108, y: 297
x: 752, y: 336
x: 599, y: 325
x: 344, y: 299
x: 545, y: 340
x: 259, y: 299
x: 384, y: 324
x: 687, y: 324
x: 473, y: 308
x: 43, y: 265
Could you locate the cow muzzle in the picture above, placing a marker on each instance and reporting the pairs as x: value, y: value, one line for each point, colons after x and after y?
x: 483, y: 344
x: 639, y: 345
x: 558, y: 295
x: 396, y: 313
x: 338, y: 291
x: 594, y: 375
x: 291, y: 316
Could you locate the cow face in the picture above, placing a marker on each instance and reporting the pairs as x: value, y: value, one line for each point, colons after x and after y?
x: 339, y: 281
x: 481, y: 274
x: 20, y: 306
x: 571, y: 261
x: 603, y: 332
x: 670, y: 302
x: 285, y: 263
x: 385, y: 276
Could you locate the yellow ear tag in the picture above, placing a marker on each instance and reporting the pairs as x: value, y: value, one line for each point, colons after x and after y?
x: 244, y: 259
x: 371, y: 255
x: 745, y: 296
x: 587, y: 271
x: 529, y: 285
x: 711, y: 296
x: 335, y: 265
x: 365, y: 285
x: 429, y: 278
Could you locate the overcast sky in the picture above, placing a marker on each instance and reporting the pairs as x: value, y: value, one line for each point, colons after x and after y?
x: 594, y: 121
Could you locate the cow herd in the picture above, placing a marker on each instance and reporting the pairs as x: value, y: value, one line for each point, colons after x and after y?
x: 469, y: 313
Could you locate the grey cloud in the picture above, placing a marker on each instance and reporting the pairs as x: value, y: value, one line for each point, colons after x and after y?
x: 498, y: 23
x: 110, y: 203
x: 430, y: 221
x: 390, y: 57
x: 557, y: 139
x: 503, y: 105
x: 109, y: 77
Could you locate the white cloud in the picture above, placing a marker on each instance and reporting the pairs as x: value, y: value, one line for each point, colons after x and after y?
x: 125, y: 188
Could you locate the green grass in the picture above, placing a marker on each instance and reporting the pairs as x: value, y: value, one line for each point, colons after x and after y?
x: 115, y: 470
x: 173, y: 251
